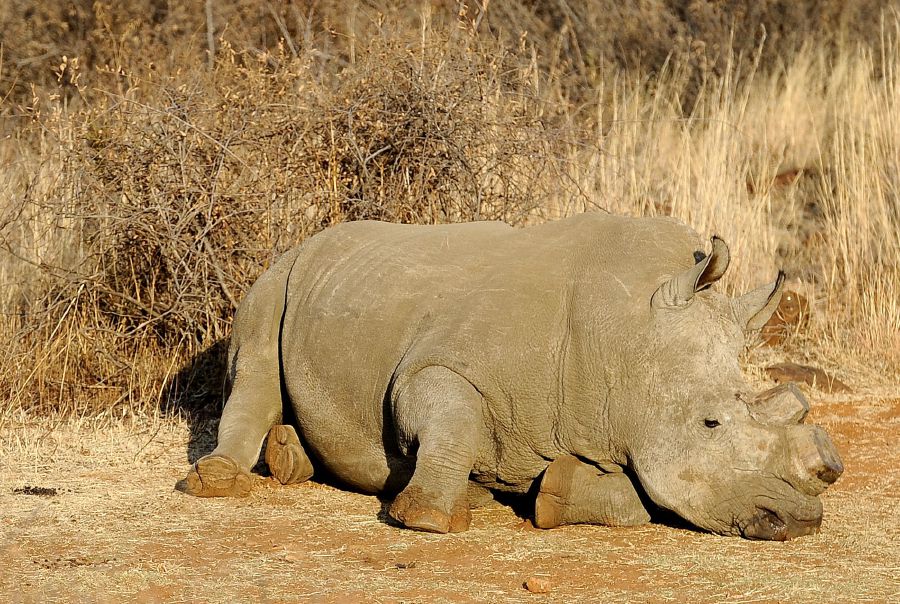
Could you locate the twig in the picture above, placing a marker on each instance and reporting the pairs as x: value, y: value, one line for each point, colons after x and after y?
x: 220, y: 275
x: 210, y: 36
x: 482, y: 11
x: 187, y: 124
x: 283, y: 29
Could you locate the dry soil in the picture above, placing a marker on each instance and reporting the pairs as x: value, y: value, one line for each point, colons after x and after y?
x: 89, y: 514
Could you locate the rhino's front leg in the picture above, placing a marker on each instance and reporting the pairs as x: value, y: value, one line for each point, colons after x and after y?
x: 573, y: 492
x: 437, y: 414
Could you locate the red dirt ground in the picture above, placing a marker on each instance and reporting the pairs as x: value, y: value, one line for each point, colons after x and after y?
x: 115, y: 531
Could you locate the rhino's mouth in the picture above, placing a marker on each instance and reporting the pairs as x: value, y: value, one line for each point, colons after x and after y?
x: 774, y: 526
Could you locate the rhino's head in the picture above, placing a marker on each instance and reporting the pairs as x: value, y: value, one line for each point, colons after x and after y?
x: 704, y: 447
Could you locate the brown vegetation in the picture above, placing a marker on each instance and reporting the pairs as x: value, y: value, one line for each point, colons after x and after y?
x: 152, y: 171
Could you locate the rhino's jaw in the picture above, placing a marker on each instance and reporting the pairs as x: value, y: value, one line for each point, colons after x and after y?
x: 770, y: 526
x: 762, y: 507
x: 780, y: 515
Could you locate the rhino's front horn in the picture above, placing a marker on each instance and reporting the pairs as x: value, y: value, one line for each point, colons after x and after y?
x: 784, y: 404
x: 815, y: 460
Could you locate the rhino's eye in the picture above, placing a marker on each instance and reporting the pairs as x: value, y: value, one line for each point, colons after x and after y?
x: 711, y: 423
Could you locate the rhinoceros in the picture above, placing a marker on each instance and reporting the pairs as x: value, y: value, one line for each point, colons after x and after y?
x: 587, y: 362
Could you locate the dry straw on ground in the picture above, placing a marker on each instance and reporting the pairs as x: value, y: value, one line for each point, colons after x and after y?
x: 90, y: 516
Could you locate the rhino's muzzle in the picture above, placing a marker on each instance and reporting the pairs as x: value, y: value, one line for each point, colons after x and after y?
x: 814, y: 464
x: 771, y: 526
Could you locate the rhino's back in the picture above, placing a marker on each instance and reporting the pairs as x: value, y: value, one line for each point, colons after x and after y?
x: 357, y: 268
x: 361, y: 292
x: 367, y: 299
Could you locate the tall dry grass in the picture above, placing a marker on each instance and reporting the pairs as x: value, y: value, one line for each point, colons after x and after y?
x: 139, y: 201
x: 835, y: 229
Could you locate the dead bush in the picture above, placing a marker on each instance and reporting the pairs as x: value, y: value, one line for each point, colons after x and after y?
x: 188, y: 186
x: 154, y: 172
x: 575, y: 39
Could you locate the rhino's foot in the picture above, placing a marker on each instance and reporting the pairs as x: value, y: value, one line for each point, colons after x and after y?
x: 552, y: 498
x: 285, y: 456
x: 216, y: 476
x: 414, y: 510
x: 573, y: 492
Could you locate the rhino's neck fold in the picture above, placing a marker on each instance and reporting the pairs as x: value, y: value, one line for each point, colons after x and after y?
x: 591, y: 387
x: 602, y: 359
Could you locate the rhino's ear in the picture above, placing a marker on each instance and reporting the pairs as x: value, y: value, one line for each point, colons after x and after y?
x: 679, y: 290
x: 752, y: 310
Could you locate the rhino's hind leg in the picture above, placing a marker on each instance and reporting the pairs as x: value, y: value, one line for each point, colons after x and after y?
x: 255, y: 402
x: 285, y: 456
x: 438, y: 410
x: 246, y: 420
x: 573, y: 492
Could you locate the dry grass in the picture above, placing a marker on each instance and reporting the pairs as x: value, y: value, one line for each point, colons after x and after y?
x: 141, y: 197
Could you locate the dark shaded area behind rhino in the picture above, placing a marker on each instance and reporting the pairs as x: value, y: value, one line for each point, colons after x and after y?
x: 198, y: 393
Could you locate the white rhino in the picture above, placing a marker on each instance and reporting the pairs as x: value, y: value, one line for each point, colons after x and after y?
x: 586, y: 360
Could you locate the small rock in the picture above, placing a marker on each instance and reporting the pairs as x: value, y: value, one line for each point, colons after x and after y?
x: 538, y: 585
x: 792, y: 314
x: 813, y: 376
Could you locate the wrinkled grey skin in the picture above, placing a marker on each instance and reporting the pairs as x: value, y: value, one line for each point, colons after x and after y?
x: 434, y: 360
